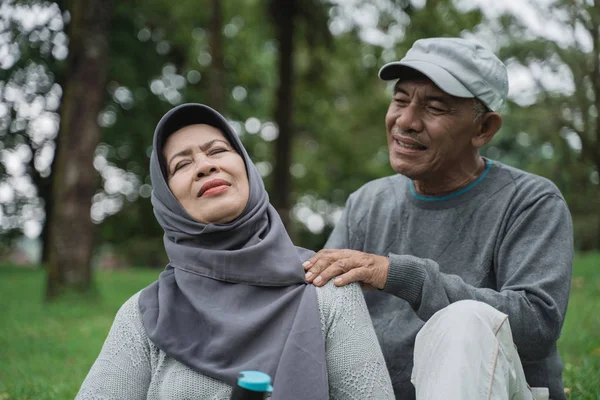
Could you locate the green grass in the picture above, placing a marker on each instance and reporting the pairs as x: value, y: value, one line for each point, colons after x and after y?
x: 579, y: 345
x: 47, y: 349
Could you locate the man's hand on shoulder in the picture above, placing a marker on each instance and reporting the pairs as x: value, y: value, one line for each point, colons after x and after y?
x: 347, y: 266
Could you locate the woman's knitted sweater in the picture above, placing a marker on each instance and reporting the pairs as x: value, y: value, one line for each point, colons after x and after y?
x: 131, y: 367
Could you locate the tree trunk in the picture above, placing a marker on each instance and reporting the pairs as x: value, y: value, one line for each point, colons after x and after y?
x: 283, y: 14
x: 217, y: 84
x: 74, y: 178
x: 44, y: 186
x: 46, y: 193
x: 596, y: 87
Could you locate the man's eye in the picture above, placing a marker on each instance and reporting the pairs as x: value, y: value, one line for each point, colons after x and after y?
x: 401, y: 101
x: 436, y: 109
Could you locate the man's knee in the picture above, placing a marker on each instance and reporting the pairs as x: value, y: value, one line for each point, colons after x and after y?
x: 463, y: 321
x: 469, y: 308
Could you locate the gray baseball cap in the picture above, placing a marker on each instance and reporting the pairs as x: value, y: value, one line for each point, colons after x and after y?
x: 458, y: 66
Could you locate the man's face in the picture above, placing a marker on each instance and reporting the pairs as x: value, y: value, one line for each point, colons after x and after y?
x: 429, y: 132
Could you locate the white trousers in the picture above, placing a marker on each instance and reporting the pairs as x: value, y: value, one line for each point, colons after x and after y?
x: 466, y: 351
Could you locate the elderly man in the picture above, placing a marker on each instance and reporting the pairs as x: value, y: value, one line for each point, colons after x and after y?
x: 459, y: 245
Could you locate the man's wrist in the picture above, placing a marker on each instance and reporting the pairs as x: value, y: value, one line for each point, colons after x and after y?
x: 405, y: 278
x: 382, y: 272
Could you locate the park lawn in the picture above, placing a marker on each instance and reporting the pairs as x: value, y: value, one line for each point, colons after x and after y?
x: 46, y: 350
x: 579, y: 344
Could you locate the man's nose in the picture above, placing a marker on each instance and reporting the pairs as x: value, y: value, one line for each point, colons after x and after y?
x: 410, y: 119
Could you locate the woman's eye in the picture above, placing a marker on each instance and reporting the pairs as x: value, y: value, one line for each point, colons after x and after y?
x: 180, y: 165
x: 217, y: 151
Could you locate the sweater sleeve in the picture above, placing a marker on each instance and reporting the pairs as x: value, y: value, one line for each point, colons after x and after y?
x: 123, y: 368
x: 355, y: 364
x: 533, y: 265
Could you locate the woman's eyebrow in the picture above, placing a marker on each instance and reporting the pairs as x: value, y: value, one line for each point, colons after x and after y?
x: 203, y: 147
x: 209, y: 144
x: 185, y: 152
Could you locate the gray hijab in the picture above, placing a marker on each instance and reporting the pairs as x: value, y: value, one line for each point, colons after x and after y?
x: 233, y: 295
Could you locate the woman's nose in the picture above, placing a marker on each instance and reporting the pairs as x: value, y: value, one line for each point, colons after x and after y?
x: 205, y: 166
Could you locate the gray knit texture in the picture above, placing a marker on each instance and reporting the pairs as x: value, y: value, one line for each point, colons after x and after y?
x: 131, y: 367
x: 507, y: 242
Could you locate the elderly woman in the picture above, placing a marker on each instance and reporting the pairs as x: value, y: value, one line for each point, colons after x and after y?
x: 233, y: 296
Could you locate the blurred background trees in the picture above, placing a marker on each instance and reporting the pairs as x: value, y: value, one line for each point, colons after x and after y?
x: 298, y: 81
x: 71, y: 235
x: 558, y: 129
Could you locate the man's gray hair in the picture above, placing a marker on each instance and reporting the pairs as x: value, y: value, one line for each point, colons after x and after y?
x: 479, y: 110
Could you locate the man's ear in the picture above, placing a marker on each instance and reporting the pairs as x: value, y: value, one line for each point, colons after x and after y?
x: 488, y: 126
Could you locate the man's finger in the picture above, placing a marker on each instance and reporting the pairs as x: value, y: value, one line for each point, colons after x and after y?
x: 308, y: 264
x: 337, y: 268
x: 315, y: 269
x: 354, y: 275
x: 321, y: 262
x: 332, y: 254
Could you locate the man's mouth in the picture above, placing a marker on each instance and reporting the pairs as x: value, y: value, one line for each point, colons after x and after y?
x: 214, y: 186
x: 406, y: 141
x: 410, y: 146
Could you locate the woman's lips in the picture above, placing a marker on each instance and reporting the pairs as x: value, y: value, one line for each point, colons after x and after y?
x: 215, y: 190
x: 213, y: 186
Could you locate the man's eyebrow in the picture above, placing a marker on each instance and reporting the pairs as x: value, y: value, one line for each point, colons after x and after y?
x: 434, y: 97
x: 440, y: 98
x: 398, y: 89
x: 203, y: 147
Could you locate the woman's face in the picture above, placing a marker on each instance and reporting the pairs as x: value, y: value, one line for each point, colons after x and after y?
x: 206, y: 175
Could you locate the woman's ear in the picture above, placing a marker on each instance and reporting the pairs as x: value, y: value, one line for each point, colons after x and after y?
x: 488, y: 126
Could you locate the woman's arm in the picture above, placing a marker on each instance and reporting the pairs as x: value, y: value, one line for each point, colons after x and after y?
x: 355, y: 363
x: 123, y: 368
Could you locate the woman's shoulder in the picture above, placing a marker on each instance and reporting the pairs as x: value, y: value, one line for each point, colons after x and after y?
x: 128, y: 319
x: 131, y: 307
x: 353, y: 354
x: 331, y: 295
x: 343, y: 303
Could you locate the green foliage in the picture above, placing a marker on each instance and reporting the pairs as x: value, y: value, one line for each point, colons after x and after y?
x: 163, y: 64
x: 558, y: 135
x: 341, y: 105
x: 161, y: 56
x: 47, y: 350
x: 32, y: 64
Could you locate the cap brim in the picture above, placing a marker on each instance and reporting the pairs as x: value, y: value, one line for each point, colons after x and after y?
x: 438, y: 75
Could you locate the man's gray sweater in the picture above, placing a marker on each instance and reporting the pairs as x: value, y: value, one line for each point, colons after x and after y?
x: 506, y: 240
